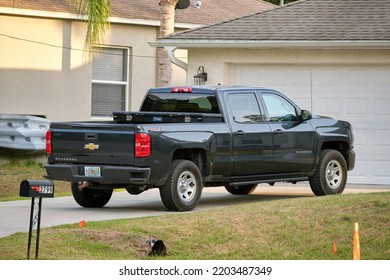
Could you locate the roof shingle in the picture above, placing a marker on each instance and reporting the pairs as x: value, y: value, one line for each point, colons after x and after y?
x: 306, y: 20
x: 212, y: 11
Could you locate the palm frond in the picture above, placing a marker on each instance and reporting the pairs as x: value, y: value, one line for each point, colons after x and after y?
x: 97, y: 13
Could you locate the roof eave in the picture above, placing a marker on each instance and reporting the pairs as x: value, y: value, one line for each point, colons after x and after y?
x: 266, y: 44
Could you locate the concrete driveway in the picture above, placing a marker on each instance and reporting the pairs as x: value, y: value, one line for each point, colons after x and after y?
x: 15, y: 215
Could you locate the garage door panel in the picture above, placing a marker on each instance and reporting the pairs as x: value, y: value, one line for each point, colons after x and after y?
x: 358, y: 107
x: 276, y: 77
x: 382, y: 139
x: 295, y: 83
x: 359, y: 94
x: 362, y: 138
x: 380, y: 79
x: 382, y: 107
x: 370, y: 139
x: 327, y: 78
x: 328, y: 106
x: 357, y: 79
x: 247, y: 76
x: 371, y: 168
x: 360, y: 168
x: 302, y: 103
x: 271, y: 76
x: 351, y: 77
x: 381, y: 168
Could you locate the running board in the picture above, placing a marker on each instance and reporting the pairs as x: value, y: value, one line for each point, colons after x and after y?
x: 269, y: 181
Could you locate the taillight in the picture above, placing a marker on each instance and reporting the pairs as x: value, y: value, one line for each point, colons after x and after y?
x: 49, y: 149
x: 181, y: 89
x: 142, y: 145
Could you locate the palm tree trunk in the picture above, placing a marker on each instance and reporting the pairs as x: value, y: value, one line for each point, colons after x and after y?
x: 164, y: 68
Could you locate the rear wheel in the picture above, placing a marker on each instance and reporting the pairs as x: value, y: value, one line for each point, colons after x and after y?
x: 331, y: 174
x: 90, y: 198
x: 183, y: 188
x: 241, y: 190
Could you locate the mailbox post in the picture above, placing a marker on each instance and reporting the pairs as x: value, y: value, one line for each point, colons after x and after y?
x: 33, y: 189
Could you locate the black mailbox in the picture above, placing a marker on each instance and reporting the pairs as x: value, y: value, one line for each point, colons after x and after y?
x: 37, y: 188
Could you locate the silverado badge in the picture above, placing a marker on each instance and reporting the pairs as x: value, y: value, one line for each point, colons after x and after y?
x: 91, y: 146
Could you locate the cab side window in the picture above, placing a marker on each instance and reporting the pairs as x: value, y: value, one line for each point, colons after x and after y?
x: 245, y: 108
x: 278, y: 108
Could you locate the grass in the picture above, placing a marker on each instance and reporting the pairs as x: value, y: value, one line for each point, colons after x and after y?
x: 14, y: 172
x: 284, y: 229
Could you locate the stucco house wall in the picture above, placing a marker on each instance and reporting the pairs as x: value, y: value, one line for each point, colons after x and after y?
x: 48, y: 73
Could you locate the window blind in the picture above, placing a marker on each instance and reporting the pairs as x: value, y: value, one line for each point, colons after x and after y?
x: 109, y: 81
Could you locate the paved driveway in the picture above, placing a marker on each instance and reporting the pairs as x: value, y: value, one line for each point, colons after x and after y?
x: 15, y: 215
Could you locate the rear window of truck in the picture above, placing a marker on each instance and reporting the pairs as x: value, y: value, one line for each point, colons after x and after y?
x: 180, y: 102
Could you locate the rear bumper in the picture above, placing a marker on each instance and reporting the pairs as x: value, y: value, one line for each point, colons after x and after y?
x: 109, y: 174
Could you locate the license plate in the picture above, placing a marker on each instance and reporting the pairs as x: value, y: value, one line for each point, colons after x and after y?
x: 92, y: 171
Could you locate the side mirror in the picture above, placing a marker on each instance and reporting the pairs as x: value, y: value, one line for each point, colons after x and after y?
x: 305, y: 115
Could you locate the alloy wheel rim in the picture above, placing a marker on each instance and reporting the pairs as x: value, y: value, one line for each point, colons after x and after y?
x: 333, y: 174
x: 186, y: 186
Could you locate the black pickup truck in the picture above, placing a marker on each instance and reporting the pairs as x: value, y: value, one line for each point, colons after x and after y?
x: 187, y: 138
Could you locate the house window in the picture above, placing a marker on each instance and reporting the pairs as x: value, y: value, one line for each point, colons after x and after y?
x: 109, y: 81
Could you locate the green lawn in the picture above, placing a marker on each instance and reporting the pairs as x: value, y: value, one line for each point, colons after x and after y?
x: 283, y: 229
x: 13, y: 173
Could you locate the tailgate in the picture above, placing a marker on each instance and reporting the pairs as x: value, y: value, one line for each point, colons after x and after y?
x: 99, y: 143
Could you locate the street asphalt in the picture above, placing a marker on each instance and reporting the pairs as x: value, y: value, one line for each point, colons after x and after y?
x: 15, y: 215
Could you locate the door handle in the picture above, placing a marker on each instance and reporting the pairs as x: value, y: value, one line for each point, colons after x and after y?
x: 278, y: 132
x: 91, y: 136
x: 239, y: 133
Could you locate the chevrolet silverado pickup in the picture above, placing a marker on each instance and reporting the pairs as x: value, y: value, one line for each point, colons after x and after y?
x: 186, y: 138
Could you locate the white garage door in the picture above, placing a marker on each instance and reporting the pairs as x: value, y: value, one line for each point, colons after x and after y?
x: 358, y: 94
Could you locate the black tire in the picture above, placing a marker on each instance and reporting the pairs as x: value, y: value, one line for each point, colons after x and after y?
x: 330, y: 176
x: 90, y: 198
x: 241, y: 190
x: 183, y: 188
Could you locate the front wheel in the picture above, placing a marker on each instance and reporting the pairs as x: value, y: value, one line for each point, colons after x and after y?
x: 183, y: 188
x: 90, y: 198
x: 330, y: 176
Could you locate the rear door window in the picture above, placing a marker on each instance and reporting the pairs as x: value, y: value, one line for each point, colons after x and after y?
x: 245, y: 108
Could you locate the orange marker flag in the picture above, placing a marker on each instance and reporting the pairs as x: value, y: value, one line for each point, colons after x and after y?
x: 356, y: 243
x: 334, y: 249
x: 82, y: 223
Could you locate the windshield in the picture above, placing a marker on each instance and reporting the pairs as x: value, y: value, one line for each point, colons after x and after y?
x: 180, y: 102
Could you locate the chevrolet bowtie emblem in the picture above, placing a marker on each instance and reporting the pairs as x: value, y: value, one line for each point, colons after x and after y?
x: 91, y: 146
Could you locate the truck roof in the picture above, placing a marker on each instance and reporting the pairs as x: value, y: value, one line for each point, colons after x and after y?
x: 198, y: 89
